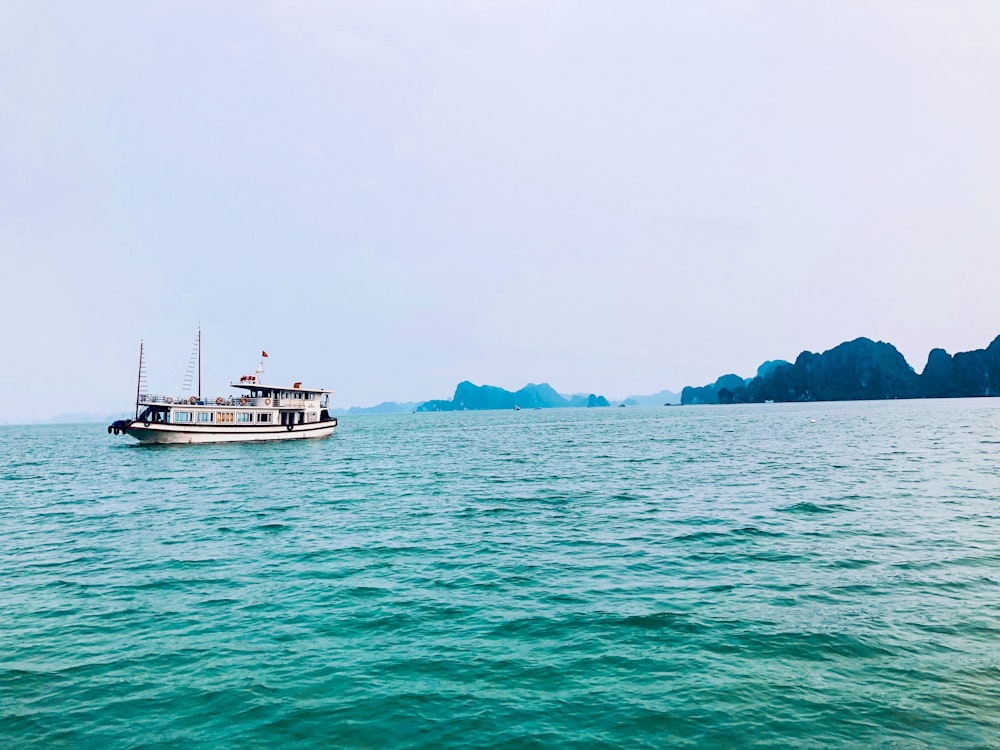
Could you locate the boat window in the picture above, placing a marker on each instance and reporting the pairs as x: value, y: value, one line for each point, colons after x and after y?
x: 204, y: 416
x: 224, y: 417
x: 264, y: 417
x: 244, y: 417
x: 182, y: 416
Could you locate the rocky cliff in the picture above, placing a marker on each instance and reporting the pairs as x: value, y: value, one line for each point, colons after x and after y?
x: 469, y: 396
x: 859, y: 370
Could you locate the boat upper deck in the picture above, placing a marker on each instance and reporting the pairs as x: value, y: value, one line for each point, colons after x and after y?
x: 269, y: 398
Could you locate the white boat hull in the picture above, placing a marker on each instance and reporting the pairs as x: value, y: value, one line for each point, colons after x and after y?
x: 178, y: 433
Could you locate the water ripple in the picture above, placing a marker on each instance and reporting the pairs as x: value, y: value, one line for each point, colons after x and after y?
x: 704, y: 577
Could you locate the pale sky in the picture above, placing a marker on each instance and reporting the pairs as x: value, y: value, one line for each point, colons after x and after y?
x: 393, y: 197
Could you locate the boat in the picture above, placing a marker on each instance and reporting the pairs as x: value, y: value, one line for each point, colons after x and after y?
x: 257, y: 412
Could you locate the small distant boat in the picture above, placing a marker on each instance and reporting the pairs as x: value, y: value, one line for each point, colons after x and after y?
x: 261, y: 412
x: 517, y: 408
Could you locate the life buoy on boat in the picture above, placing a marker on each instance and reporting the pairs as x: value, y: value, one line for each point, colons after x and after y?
x: 193, y: 400
x: 288, y: 426
x: 170, y: 399
x: 243, y: 401
x: 218, y: 400
x: 267, y: 402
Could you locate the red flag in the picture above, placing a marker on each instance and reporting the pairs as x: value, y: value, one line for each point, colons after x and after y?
x: 263, y: 354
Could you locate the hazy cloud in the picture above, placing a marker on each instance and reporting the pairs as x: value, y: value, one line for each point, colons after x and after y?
x: 614, y: 198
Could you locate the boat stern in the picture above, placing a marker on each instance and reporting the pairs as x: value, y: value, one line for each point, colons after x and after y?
x: 119, y: 426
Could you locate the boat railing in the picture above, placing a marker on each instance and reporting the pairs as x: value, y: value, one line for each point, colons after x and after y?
x: 270, y: 401
x: 156, y: 398
x: 290, y: 403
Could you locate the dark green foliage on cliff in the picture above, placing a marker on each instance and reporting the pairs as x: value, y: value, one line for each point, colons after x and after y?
x: 469, y: 396
x: 856, y: 370
x: 770, y: 366
x: 975, y: 373
x: 727, y: 385
x: 860, y: 370
x: 939, y: 372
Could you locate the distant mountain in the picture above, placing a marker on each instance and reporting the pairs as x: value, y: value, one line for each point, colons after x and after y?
x: 770, y: 366
x: 82, y: 418
x: 587, y: 400
x: 386, y: 407
x: 709, y: 394
x: 471, y: 397
x: 859, y: 370
x: 655, y: 399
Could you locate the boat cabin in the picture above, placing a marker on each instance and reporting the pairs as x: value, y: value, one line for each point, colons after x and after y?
x: 260, y: 405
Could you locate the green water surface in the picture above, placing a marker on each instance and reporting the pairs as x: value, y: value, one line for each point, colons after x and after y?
x: 675, y: 577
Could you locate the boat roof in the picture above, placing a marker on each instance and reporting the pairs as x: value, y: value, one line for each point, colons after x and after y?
x: 251, y: 383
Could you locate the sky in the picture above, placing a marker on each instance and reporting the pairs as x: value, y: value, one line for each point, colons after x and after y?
x: 392, y: 197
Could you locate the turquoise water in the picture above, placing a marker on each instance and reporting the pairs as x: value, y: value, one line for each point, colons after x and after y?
x: 684, y: 577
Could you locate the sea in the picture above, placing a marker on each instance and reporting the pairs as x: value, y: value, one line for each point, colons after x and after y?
x: 820, y: 575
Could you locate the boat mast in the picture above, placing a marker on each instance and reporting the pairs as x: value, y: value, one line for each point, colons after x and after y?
x: 138, y: 381
x: 199, y: 363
